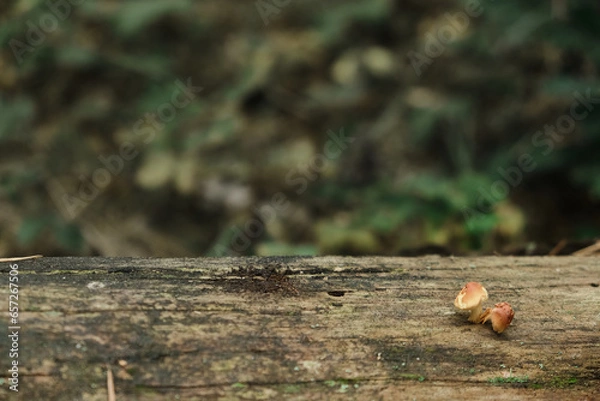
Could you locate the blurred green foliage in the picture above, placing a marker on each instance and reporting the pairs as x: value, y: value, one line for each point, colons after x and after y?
x: 425, y: 167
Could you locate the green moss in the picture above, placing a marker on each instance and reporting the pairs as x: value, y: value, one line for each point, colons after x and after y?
x: 514, y: 379
x: 411, y: 376
x: 73, y: 272
x: 291, y: 389
x: 343, y: 384
x: 555, y: 382
x: 563, y: 382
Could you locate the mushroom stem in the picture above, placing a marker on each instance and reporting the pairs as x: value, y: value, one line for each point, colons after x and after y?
x: 475, y: 314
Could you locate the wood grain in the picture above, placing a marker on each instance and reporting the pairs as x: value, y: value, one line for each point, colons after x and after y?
x: 326, y: 328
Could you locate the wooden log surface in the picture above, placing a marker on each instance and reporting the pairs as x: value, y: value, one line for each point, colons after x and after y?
x: 334, y: 328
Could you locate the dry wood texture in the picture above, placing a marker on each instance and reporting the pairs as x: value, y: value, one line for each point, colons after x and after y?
x: 329, y: 328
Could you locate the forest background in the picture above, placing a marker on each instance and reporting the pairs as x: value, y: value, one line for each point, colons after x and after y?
x: 289, y: 127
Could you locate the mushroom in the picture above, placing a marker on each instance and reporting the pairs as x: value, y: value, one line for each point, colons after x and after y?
x: 501, y: 315
x: 470, y: 298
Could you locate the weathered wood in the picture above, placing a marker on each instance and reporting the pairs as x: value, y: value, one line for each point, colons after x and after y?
x: 303, y: 328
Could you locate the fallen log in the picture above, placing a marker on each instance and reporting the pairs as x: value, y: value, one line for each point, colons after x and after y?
x: 371, y: 328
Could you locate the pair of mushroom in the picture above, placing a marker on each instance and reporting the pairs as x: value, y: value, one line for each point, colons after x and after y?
x: 472, y: 296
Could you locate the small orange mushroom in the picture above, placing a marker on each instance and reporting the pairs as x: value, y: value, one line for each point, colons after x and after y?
x: 501, y: 315
x: 470, y: 298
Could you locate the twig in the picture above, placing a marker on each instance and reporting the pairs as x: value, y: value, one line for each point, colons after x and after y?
x: 588, y: 250
x: 110, y: 384
x: 558, y: 247
x: 20, y: 258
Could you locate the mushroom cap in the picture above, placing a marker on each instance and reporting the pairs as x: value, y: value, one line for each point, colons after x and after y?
x: 471, y: 296
x: 502, y: 314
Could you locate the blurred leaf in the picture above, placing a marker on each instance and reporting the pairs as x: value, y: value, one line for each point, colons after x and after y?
x: 31, y: 228
x: 589, y: 175
x: 227, y: 241
x: 386, y: 219
x: 73, y: 56
x: 521, y: 31
x: 134, y: 16
x: 336, y: 17
x: 16, y: 115
x: 217, y: 134
x: 422, y: 123
x: 68, y: 236
x: 337, y: 238
x: 152, y: 66
x: 586, y: 231
x: 567, y: 86
x: 272, y: 248
x: 478, y: 224
x: 8, y: 31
